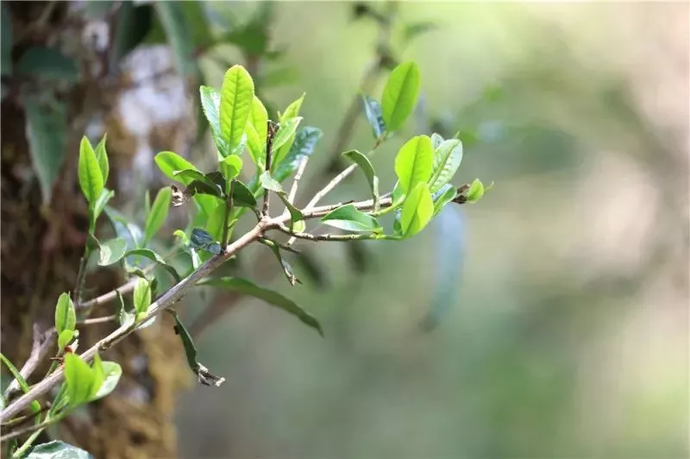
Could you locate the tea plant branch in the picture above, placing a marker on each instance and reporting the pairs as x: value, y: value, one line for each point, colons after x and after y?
x: 110, y: 296
x: 97, y: 320
x: 228, y: 213
x: 295, y: 183
x: 334, y: 237
x: 41, y: 345
x: 165, y: 301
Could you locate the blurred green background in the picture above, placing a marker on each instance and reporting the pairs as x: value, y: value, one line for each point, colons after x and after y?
x: 558, y: 303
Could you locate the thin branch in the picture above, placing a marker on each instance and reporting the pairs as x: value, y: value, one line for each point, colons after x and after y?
x: 41, y: 345
x: 97, y: 320
x: 298, y: 176
x: 271, y: 132
x: 110, y: 296
x: 333, y: 237
x: 81, y: 276
x: 165, y: 301
x: 228, y: 213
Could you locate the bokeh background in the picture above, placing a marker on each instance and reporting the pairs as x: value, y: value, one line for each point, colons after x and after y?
x: 548, y: 320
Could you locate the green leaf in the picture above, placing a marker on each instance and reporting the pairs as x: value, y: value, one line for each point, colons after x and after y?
x: 447, y: 159
x: 242, y: 196
x: 35, y: 406
x: 363, y: 162
x: 204, y: 376
x: 90, y: 177
x: 153, y: 256
x: 169, y: 162
x: 64, y: 338
x: 65, y: 314
x: 236, y: 99
x: 414, y: 161
x: 210, y: 104
x: 125, y: 229
x: 417, y: 211
x: 123, y: 317
x: 372, y: 110
x: 270, y: 183
x: 256, y: 131
x: 48, y: 63
x: 192, y: 175
x: 214, y: 225
x: 98, y: 375
x: 6, y: 41
x: 112, y: 372
x: 202, y: 240
x: 476, y: 191
x: 142, y: 296
x: 78, y: 377
x: 245, y: 287
x: 259, y: 119
x: 178, y: 30
x: 111, y: 251
x: 230, y: 168
x: 287, y: 269
x: 57, y: 450
x: 293, y: 109
x: 305, y: 142
x: 283, y: 137
x: 350, y: 219
x: 158, y: 214
x: 102, y: 157
x: 296, y: 215
x: 400, y: 95
x: 442, y: 197
x: 46, y: 128
x: 282, y: 147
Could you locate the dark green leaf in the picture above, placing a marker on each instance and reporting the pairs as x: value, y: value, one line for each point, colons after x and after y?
x: 203, y: 375
x: 202, y: 240
x: 287, y: 269
x: 48, y: 63
x: 45, y: 128
x: 447, y: 159
x: 442, y: 197
x: 372, y: 110
x: 132, y: 24
x: 274, y: 298
x: 417, y: 211
x: 295, y: 214
x: 414, y: 161
x: 169, y: 162
x: 205, y: 187
x: 58, y: 450
x: 153, y: 256
x: 65, y: 315
x: 90, y: 177
x: 350, y: 219
x: 79, y: 378
x: 6, y: 41
x: 242, y: 196
x: 178, y: 29
x: 236, y: 99
x: 210, y: 103
x: 400, y: 95
x: 111, y: 251
x: 305, y: 142
x: 158, y: 213
x: 363, y: 162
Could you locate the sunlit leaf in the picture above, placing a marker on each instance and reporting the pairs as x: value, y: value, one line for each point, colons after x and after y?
x: 236, y: 99
x: 305, y: 142
x: 414, y: 162
x: 400, y: 95
x: 112, y: 372
x: 210, y: 104
x: 111, y: 251
x: 417, y: 211
x: 350, y: 219
x: 65, y: 314
x: 363, y: 162
x: 476, y: 191
x: 442, y: 197
x: 78, y: 377
x: 169, y: 162
x: 447, y: 159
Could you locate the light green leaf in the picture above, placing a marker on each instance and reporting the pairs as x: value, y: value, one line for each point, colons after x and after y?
x: 304, y: 143
x: 57, y: 450
x: 447, y: 159
x: 64, y: 338
x: 269, y: 183
x: 102, y: 156
x: 65, y: 314
x: 442, y: 197
x: 112, y: 251
x: 285, y: 136
x: 274, y: 298
x: 45, y: 129
x: 210, y: 103
x: 169, y: 162
x: 153, y: 256
x: 112, y: 372
x: 259, y: 119
x: 400, y: 95
x: 414, y: 161
x: 350, y: 219
x: 363, y: 162
x: 417, y: 211
x: 293, y: 109
x: 142, y: 296
x: 90, y: 177
x: 214, y: 225
x: 158, y: 214
x: 256, y: 131
x: 236, y: 99
x: 78, y: 377
x: 372, y: 110
x: 102, y: 201
x: 476, y: 191
x: 35, y: 406
x: 231, y: 168
x: 98, y: 375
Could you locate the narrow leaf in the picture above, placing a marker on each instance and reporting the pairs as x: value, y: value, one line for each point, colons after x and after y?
x: 287, y: 269
x: 400, y: 95
x: 372, y: 110
x: 293, y: 109
x: 271, y: 297
x: 447, y: 159
x: 98, y: 376
x: 111, y: 251
x: 210, y: 103
x: 203, y: 375
x: 65, y: 315
x: 35, y: 406
x: 158, y: 213
x: 102, y: 156
x: 413, y: 163
x: 236, y: 99
x: 90, y: 177
x: 179, y: 32
x: 417, y: 211
x: 269, y: 183
x: 284, y: 135
x: 57, y: 450
x: 350, y: 219
x: 442, y: 197
x: 363, y: 162
x: 102, y: 201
